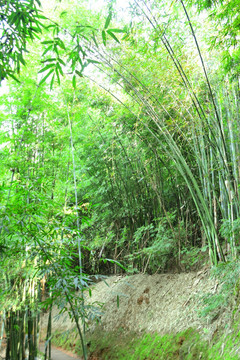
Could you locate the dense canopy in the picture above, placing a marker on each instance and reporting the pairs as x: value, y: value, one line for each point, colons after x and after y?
x: 119, y: 147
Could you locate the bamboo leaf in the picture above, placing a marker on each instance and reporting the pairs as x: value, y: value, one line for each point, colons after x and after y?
x: 125, y: 37
x: 58, y: 76
x: 47, y: 49
x: 94, y: 40
x: 46, y: 68
x: 20, y: 57
x: 49, y: 60
x: 113, y: 262
x: 13, y: 77
x: 61, y: 62
x: 45, y: 77
x: 61, y: 43
x: 90, y: 61
x: 55, y: 49
x: 104, y: 37
x: 74, y: 81
x: 47, y: 42
x: 113, y: 36
x: 117, y: 30
x: 52, y: 82
x: 108, y: 19
x: 79, y: 73
x: 59, y: 69
x: 63, y: 13
x: 41, y: 17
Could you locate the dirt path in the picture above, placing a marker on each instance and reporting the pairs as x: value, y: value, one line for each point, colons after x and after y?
x: 60, y: 354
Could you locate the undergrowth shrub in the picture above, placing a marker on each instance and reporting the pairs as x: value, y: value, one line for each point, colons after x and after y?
x: 193, y: 258
x: 227, y: 298
x: 185, y: 345
x: 155, y: 246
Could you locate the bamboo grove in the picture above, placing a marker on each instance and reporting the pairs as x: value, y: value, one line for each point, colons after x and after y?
x: 119, y: 153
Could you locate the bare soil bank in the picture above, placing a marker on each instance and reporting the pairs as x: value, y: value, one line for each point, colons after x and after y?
x: 162, y: 303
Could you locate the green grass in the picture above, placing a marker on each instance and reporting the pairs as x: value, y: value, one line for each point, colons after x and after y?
x: 119, y: 345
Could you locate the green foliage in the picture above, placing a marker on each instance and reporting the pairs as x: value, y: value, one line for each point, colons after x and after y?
x: 194, y: 258
x: 157, y: 243
x: 133, y: 169
x: 20, y: 22
x: 230, y: 229
x: 226, y: 299
x: 152, y: 170
x: 224, y: 16
x: 187, y: 344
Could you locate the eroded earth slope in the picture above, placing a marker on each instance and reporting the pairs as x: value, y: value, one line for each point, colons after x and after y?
x: 163, y: 303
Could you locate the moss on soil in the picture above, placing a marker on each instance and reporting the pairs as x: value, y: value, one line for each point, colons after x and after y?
x: 119, y: 345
